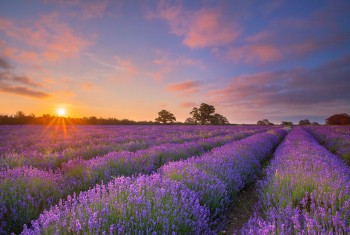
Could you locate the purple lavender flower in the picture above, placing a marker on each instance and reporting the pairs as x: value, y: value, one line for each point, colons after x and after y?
x: 307, y: 190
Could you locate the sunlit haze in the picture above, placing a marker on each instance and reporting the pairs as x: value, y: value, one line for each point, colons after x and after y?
x: 61, y: 112
x: 280, y: 60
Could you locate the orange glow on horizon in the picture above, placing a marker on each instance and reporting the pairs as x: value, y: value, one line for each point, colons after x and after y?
x: 61, y: 112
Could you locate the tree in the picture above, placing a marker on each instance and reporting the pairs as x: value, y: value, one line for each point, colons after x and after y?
x: 264, y: 122
x: 218, y: 119
x: 284, y: 123
x: 165, y: 116
x: 338, y: 119
x: 190, y: 121
x: 204, y: 114
x: 20, y: 117
x: 304, y: 122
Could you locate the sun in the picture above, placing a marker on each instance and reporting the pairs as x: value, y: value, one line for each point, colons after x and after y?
x: 61, y: 112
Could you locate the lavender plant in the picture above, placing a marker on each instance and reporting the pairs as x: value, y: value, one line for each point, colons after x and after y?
x: 62, y: 219
x: 48, y: 148
x: 79, y: 174
x: 142, y: 205
x: 24, y: 193
x: 335, y: 139
x: 306, y: 191
x: 219, y: 175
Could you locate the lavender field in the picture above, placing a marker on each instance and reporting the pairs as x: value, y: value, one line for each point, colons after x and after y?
x: 173, y: 179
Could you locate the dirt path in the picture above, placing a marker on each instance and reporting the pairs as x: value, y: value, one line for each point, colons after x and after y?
x: 240, y: 212
x: 243, y: 207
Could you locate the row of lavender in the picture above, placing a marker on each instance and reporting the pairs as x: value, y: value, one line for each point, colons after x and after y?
x: 335, y: 138
x: 181, y: 198
x: 48, y: 148
x: 26, y: 191
x: 306, y: 191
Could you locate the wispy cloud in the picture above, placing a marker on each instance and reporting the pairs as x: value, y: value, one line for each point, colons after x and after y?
x: 187, y: 104
x: 185, y: 88
x: 168, y: 63
x: 21, y: 85
x: 126, y: 65
x: 318, y: 32
x: 293, y: 88
x: 255, y: 53
x: 93, y: 9
x: 24, y: 91
x: 118, y: 63
x: 7, y: 81
x: 206, y: 27
x: 83, y: 9
x: 4, y: 64
x: 103, y: 62
x: 164, y: 59
x: 87, y: 86
x: 210, y: 28
x: 46, y: 39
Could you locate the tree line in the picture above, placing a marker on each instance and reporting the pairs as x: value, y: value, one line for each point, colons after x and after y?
x: 336, y: 119
x: 203, y: 115
x: 20, y: 118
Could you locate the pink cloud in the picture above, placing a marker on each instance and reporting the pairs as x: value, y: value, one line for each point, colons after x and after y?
x: 160, y: 74
x: 20, y: 85
x: 274, y: 45
x: 290, y: 38
x: 83, y: 9
x: 185, y: 88
x: 294, y: 88
x: 46, y: 39
x: 4, y: 64
x: 123, y: 70
x: 203, y: 28
x: 175, y: 16
x: 187, y: 104
x: 87, y: 86
x: 93, y: 9
x: 164, y: 59
x: 210, y: 28
x: 169, y: 63
x: 255, y: 53
x: 126, y: 65
x: 24, y: 91
x: 24, y: 56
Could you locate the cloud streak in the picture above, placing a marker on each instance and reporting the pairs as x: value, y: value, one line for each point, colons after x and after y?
x: 164, y: 59
x: 206, y: 27
x: 46, y: 39
x: 185, y: 88
x: 24, y: 91
x: 169, y: 63
x: 27, y: 87
x: 293, y: 88
x: 4, y: 64
x: 187, y: 104
x: 83, y: 9
x: 317, y: 32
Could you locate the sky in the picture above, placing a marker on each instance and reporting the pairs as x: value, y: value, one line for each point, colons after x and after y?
x: 276, y: 60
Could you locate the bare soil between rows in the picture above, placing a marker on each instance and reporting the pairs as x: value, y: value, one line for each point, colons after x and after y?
x: 243, y: 207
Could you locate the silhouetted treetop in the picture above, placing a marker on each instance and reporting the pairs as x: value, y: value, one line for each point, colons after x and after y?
x: 264, y: 122
x: 285, y: 123
x: 338, y: 119
x: 205, y: 114
x: 165, y: 116
x: 305, y: 122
